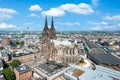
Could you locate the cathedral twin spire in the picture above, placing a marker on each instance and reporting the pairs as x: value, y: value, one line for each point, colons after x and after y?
x: 49, y: 33
x: 46, y: 24
x: 52, y: 25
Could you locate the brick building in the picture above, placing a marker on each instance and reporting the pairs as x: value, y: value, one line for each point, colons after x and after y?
x: 25, y: 58
x: 23, y: 72
x: 6, y: 41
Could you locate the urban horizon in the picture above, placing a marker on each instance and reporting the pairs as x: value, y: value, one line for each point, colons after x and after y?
x: 59, y: 40
x: 83, y: 15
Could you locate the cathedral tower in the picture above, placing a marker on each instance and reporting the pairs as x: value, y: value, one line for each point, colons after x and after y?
x: 52, y: 30
x: 46, y: 32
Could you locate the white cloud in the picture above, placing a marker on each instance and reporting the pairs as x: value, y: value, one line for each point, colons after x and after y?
x: 81, y: 8
x: 96, y: 28
x: 6, y: 13
x: 98, y: 23
x: 35, y: 8
x: 116, y: 17
x: 6, y: 26
x: 105, y: 26
x: 34, y: 15
x: 56, y: 12
x: 104, y: 23
x: 68, y: 23
x: 111, y: 25
x: 118, y: 24
x: 95, y: 2
x: 5, y: 16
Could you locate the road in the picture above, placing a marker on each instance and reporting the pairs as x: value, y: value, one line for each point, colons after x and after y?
x: 38, y: 59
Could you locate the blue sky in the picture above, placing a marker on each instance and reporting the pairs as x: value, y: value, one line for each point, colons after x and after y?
x: 69, y: 15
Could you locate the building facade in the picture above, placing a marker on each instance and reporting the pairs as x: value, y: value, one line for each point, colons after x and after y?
x: 65, y: 54
x: 57, y: 50
x: 25, y: 58
x: 23, y: 72
x: 6, y: 41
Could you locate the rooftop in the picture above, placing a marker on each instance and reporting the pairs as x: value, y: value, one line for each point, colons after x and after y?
x: 50, y: 68
x: 75, y: 72
x: 23, y: 68
x: 62, y: 42
x: 100, y: 55
x: 90, y: 44
x: 100, y: 73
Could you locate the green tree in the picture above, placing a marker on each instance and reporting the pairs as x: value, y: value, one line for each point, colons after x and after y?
x: 8, y: 74
x: 1, y: 48
x: 40, y: 38
x: 14, y: 63
x: 17, y: 42
x: 22, y: 43
x: 81, y: 60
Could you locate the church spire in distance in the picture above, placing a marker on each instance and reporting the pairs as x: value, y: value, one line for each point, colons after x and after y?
x: 46, y: 32
x: 46, y: 24
x: 52, y: 24
x: 52, y: 30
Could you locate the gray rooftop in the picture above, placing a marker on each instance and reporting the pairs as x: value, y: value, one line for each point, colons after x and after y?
x: 23, y: 68
x: 51, y: 68
x: 100, y: 55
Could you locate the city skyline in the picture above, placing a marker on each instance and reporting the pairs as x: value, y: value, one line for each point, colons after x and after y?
x: 83, y: 15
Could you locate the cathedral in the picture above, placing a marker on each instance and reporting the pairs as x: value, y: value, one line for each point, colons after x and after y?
x: 57, y: 50
x: 47, y: 33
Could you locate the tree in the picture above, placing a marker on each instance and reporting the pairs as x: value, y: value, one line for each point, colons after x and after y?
x: 81, y: 60
x: 17, y: 42
x: 14, y: 63
x: 8, y: 74
x: 1, y: 48
x: 40, y: 38
x: 22, y: 43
